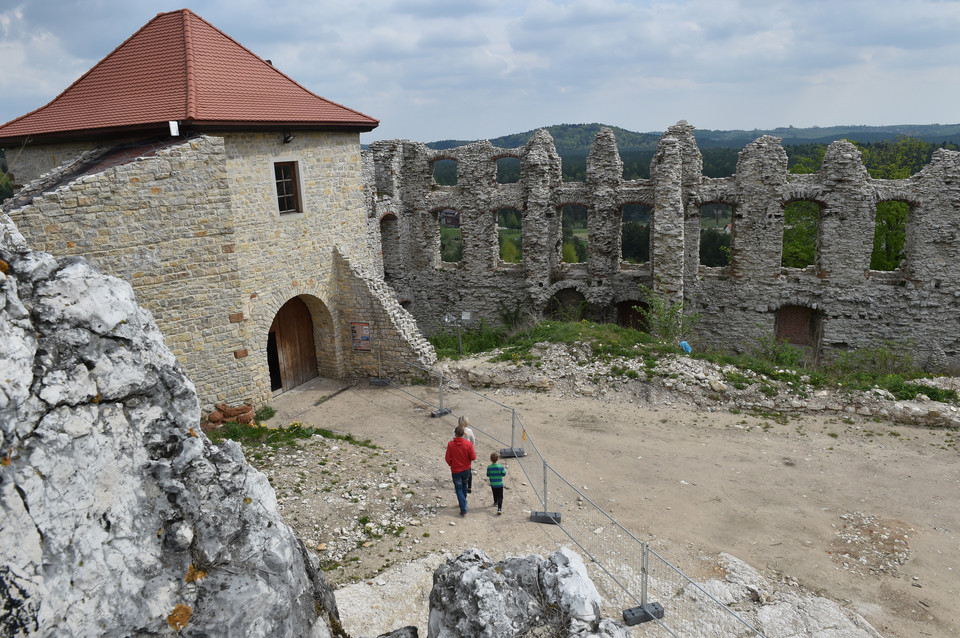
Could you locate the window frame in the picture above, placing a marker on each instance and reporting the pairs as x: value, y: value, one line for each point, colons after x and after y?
x: 293, y: 180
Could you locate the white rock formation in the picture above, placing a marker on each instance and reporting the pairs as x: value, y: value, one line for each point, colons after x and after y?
x: 474, y: 596
x: 118, y: 517
x: 778, y: 611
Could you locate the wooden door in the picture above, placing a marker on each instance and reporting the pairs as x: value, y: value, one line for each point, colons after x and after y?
x: 293, y: 334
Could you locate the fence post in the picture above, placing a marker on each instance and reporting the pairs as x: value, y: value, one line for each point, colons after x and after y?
x: 545, y: 516
x: 513, y: 450
x: 644, y: 573
x: 646, y: 611
x: 442, y: 410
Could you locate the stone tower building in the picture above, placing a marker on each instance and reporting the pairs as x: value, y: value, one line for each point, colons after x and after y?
x: 229, y: 196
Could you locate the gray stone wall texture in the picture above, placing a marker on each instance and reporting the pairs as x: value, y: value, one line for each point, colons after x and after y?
x: 848, y: 304
x: 194, y: 226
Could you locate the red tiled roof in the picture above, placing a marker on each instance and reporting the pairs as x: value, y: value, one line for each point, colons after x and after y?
x: 180, y: 67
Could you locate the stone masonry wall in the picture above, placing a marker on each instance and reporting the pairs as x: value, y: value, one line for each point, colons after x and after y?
x: 164, y: 224
x: 31, y: 161
x: 853, y: 305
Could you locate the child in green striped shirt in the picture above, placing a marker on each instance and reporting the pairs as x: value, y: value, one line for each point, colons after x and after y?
x: 495, y: 473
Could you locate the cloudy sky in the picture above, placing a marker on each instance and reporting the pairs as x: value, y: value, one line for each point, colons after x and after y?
x: 468, y: 69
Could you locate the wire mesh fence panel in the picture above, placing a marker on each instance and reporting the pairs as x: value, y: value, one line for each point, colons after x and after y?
x: 618, y: 556
x: 617, y: 553
x: 533, y: 466
x: 690, y: 609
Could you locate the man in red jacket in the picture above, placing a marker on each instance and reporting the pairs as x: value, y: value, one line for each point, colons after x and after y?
x: 460, y: 454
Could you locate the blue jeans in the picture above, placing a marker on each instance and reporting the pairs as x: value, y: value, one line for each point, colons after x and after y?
x: 460, y: 481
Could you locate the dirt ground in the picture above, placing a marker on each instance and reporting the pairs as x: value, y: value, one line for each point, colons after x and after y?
x: 862, y: 512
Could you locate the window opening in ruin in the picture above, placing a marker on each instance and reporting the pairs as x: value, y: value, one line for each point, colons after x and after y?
x: 508, y: 170
x: 445, y: 172
x: 635, y: 233
x: 288, y: 191
x: 510, y: 235
x: 573, y: 167
x: 889, y: 235
x: 716, y: 224
x: 451, y: 239
x: 390, y: 246
x: 573, y: 223
x: 798, y: 325
x: 801, y: 223
x: 567, y: 305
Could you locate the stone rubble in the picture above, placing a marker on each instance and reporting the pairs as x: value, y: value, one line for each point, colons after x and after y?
x: 868, y: 544
x: 341, y: 498
x: 572, y: 370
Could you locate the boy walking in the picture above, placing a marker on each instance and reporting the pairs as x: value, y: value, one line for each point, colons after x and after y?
x: 495, y: 474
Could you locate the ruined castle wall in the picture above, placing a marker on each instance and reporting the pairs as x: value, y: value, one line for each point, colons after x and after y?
x: 849, y: 305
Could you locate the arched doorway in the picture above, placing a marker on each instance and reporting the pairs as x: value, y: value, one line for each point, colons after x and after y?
x: 567, y: 305
x: 291, y: 352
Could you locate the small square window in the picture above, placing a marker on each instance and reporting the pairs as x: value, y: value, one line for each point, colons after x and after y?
x: 288, y: 192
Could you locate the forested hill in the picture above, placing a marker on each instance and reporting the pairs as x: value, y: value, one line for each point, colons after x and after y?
x: 935, y: 133
x: 570, y: 139
x: 575, y: 139
x: 721, y: 149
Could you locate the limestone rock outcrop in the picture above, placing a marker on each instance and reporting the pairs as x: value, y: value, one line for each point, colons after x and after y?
x: 475, y: 596
x: 775, y: 609
x: 118, y: 517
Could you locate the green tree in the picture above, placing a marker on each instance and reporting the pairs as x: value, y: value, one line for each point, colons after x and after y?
x: 6, y: 186
x: 569, y: 253
x: 508, y: 218
x: 801, y: 218
x: 451, y: 244
x: 635, y: 242
x: 509, y: 252
x: 800, y: 221
x: 664, y: 319
x: 714, y: 247
x: 889, y: 235
x: 893, y: 160
x: 6, y: 182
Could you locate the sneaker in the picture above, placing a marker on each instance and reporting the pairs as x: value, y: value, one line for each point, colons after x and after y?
x: 463, y: 513
x: 469, y: 491
x: 499, y: 512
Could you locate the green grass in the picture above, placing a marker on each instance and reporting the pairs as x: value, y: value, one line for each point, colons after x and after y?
x: 265, y: 413
x: 253, y: 435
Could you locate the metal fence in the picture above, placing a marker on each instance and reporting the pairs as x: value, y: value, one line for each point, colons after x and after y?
x: 645, y: 585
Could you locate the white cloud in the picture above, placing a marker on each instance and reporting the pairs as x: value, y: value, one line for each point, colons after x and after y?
x: 432, y: 69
